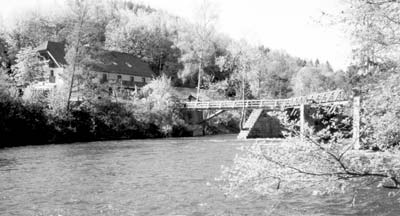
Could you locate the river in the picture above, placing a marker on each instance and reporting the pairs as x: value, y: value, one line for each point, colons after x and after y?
x: 148, y: 177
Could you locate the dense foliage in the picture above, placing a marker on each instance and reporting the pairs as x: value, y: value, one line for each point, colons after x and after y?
x: 381, y: 115
x: 151, y: 116
x: 172, y: 46
x: 324, y: 162
x: 375, y: 26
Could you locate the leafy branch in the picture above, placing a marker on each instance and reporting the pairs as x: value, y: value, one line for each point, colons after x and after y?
x: 345, y: 171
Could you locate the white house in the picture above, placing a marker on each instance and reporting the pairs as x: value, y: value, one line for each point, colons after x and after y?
x: 129, y: 70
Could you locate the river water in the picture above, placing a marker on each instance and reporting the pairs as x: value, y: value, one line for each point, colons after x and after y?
x: 149, y: 177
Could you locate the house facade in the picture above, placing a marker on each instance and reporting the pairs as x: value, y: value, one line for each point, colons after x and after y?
x: 109, y: 66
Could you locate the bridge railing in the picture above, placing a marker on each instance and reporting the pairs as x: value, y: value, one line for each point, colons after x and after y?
x: 229, y: 104
x: 326, y: 97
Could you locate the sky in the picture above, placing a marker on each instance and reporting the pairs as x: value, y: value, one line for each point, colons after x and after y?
x: 290, y: 25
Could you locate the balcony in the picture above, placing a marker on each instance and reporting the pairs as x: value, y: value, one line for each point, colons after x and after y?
x: 132, y: 84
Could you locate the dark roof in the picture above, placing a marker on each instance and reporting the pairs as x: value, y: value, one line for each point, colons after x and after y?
x: 105, y: 61
x: 57, y: 50
x: 121, y: 63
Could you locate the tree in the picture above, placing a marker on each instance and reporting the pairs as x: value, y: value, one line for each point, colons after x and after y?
x: 5, y: 61
x: 29, y: 67
x: 35, y: 28
x: 239, y: 61
x: 6, y: 82
x: 333, y: 167
x: 317, y: 165
x: 160, y: 106
x: 197, y: 43
x: 316, y: 62
x: 310, y: 167
x: 328, y: 66
x: 83, y: 42
x: 76, y: 49
x: 283, y: 68
x: 149, y: 36
x: 381, y: 115
x: 311, y: 80
x: 300, y: 62
x: 375, y: 27
x: 267, y: 72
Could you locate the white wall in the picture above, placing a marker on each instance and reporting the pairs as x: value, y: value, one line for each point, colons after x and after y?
x: 124, y: 77
x: 98, y: 77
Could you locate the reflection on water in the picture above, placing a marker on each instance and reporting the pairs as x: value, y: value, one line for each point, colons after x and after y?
x: 147, y: 177
x: 6, y: 162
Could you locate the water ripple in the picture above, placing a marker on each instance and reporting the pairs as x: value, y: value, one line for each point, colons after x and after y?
x: 147, y: 177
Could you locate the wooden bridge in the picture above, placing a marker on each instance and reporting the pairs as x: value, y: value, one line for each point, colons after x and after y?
x: 330, y: 98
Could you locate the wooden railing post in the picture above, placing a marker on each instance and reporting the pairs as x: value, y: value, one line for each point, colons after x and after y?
x: 356, y: 120
x: 302, y: 120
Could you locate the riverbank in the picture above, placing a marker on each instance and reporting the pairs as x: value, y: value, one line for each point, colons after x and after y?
x: 34, y: 123
x: 270, y: 168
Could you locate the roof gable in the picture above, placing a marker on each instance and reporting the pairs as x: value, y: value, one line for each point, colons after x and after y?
x: 56, y: 49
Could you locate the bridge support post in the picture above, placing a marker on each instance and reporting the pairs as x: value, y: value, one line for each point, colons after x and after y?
x: 356, y: 121
x: 303, y: 112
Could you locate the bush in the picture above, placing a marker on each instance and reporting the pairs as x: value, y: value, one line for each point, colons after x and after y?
x: 155, y: 114
x: 160, y: 107
x: 227, y: 122
x: 381, y: 115
x: 21, y: 122
x: 115, y: 121
x: 281, y: 167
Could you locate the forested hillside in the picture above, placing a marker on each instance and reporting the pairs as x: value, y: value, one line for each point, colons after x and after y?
x: 174, y: 47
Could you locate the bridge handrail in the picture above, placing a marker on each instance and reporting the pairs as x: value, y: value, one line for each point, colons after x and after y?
x: 325, y: 97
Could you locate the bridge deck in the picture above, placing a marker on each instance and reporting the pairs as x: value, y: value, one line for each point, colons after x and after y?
x: 337, y: 96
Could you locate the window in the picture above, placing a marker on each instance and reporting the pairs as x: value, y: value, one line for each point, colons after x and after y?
x: 104, y: 78
x: 52, y: 78
x: 132, y: 79
x: 119, y: 77
x: 52, y: 64
x: 138, y: 79
x: 126, y: 78
x: 144, y: 80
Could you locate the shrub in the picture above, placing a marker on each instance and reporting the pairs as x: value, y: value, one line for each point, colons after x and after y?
x: 155, y: 114
x: 290, y: 166
x: 381, y: 115
x: 21, y: 122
